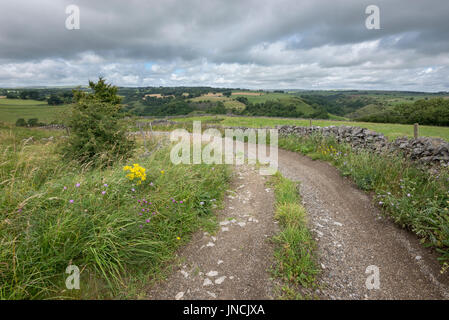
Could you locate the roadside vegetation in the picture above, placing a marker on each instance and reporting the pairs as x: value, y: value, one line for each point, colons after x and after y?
x: 120, y: 222
x: 415, y: 198
x: 296, y: 264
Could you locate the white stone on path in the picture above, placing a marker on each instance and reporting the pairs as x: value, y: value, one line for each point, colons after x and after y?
x: 220, y: 280
x: 224, y: 229
x: 179, y: 295
x: 212, y: 273
x: 213, y: 295
x: 242, y: 224
x: 207, y: 282
x: 185, y: 274
x: 219, y: 261
x: 210, y: 244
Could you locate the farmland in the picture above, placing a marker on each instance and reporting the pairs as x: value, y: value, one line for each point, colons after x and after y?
x: 391, y: 131
x: 229, y: 103
x: 13, y: 109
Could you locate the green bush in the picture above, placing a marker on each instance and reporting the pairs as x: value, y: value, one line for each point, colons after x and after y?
x: 97, y: 137
x: 21, y: 122
x: 33, y: 122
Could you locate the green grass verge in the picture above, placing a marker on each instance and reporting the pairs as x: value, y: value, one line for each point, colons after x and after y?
x: 121, y: 235
x: 294, y: 254
x: 417, y: 199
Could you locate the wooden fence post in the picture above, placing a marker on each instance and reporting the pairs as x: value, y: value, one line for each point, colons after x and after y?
x: 416, y: 130
x: 310, y: 122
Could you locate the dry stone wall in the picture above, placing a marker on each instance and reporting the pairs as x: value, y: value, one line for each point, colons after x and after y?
x: 425, y: 149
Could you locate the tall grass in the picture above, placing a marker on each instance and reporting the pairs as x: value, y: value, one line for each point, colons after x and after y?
x: 54, y: 214
x: 416, y: 198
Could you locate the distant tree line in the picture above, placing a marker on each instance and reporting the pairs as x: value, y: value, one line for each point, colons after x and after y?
x: 433, y: 111
x: 137, y: 94
x: 53, y: 96
x: 279, y: 108
x: 338, y: 104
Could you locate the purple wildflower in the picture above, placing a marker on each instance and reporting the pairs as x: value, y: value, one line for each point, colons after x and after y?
x: 77, y: 185
x: 71, y: 201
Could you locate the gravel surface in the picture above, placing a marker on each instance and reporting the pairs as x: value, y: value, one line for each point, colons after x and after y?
x: 352, y: 234
x: 233, y: 263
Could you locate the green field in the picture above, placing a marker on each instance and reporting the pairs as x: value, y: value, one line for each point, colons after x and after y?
x: 282, y: 97
x: 13, y: 109
x: 264, y: 97
x: 391, y: 131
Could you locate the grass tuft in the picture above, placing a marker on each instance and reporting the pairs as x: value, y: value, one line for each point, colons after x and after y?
x: 294, y: 253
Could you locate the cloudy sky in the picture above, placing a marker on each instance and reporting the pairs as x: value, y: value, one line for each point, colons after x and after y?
x: 304, y: 44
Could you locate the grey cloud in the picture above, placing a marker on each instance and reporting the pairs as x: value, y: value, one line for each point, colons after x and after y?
x: 266, y: 43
